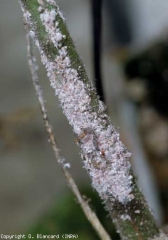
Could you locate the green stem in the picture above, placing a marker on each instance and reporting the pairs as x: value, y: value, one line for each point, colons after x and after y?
x: 111, y: 174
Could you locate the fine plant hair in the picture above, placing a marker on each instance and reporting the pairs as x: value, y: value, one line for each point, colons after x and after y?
x: 89, y: 213
x: 105, y: 158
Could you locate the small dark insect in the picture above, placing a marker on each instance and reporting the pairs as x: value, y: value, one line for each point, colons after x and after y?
x: 102, y: 152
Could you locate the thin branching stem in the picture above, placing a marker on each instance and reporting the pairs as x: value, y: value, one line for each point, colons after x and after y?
x: 105, y: 157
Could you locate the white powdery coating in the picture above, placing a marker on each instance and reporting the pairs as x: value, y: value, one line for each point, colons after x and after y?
x: 105, y: 157
x: 137, y: 211
x: 162, y: 236
x: 52, y: 2
x: 48, y: 18
x: 41, y: 2
x: 125, y: 217
x: 67, y: 165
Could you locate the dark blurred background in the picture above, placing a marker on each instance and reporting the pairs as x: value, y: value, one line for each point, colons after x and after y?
x: 32, y: 186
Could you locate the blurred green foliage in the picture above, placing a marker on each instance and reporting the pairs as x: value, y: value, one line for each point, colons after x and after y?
x: 67, y: 217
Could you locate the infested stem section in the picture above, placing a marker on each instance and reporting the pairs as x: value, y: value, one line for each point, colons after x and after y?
x: 105, y: 157
x: 89, y: 213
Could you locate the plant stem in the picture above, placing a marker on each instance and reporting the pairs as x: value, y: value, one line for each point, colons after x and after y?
x: 105, y: 157
x: 89, y: 213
